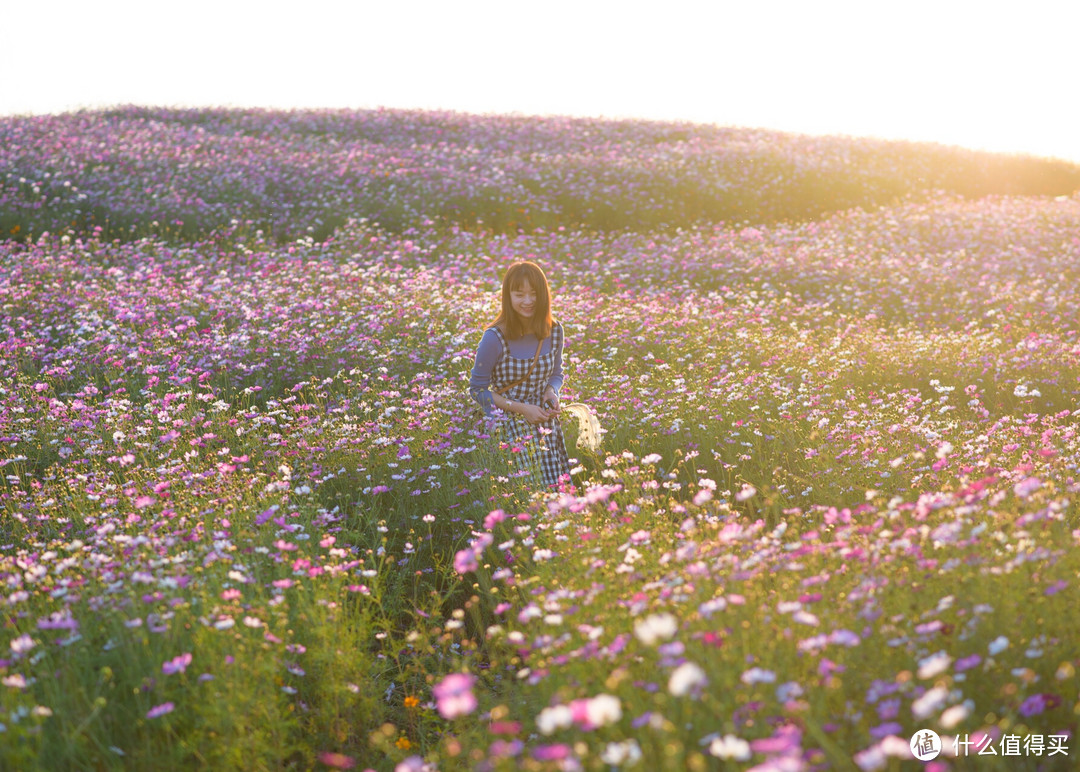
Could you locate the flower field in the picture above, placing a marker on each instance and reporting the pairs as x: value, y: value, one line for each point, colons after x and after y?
x: 249, y: 518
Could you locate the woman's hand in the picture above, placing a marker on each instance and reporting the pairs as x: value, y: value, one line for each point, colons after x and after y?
x: 534, y: 414
x: 551, y: 396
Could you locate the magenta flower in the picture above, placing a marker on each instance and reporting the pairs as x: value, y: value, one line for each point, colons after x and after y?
x: 454, y: 696
x: 785, y: 740
x: 551, y: 752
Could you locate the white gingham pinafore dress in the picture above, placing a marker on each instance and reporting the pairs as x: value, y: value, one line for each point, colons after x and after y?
x: 534, y: 446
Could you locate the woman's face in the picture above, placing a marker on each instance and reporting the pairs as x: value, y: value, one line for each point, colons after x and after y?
x: 523, y: 300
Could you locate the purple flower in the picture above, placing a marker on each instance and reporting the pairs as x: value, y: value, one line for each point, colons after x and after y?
x: 967, y: 663
x: 1038, y: 703
x: 160, y: 710
x: 884, y: 730
x: 1056, y: 587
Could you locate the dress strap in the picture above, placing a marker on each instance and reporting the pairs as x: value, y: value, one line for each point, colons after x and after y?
x: 502, y: 339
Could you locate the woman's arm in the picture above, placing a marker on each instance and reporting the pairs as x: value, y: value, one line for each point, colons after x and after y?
x: 487, y: 356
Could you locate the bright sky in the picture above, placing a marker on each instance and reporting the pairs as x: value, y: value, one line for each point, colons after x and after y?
x: 985, y: 74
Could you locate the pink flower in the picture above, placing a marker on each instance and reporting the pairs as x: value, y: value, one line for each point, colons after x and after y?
x: 177, y: 664
x: 493, y: 517
x: 1025, y: 488
x: 337, y: 760
x: 465, y: 561
x: 453, y: 695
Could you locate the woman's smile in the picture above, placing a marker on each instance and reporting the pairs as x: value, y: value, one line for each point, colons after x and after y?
x: 523, y: 300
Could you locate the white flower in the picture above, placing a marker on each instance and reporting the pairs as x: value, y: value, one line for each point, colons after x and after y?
x: 789, y: 691
x: 655, y: 628
x: 934, y: 665
x: 686, y: 679
x: 22, y: 644
x: 730, y: 747
x: 710, y: 607
x: 628, y: 753
x: 929, y: 703
x: 756, y: 675
x: 747, y: 492
x: 15, y: 681
x: 603, y: 709
x: 998, y: 645
x: 552, y: 719
x: 955, y: 715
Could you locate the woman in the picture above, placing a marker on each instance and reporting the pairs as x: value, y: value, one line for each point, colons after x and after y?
x: 522, y: 349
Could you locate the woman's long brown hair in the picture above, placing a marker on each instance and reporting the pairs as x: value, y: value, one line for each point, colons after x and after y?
x: 509, y: 320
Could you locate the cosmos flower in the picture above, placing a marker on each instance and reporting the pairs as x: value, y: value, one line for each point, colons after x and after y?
x: 177, y: 664
x: 454, y: 696
x: 160, y: 710
x: 687, y: 678
x: 655, y: 628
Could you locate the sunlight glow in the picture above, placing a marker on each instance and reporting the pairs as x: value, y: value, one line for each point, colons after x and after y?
x: 966, y: 73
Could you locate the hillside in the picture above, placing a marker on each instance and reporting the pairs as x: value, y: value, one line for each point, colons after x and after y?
x: 183, y: 173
